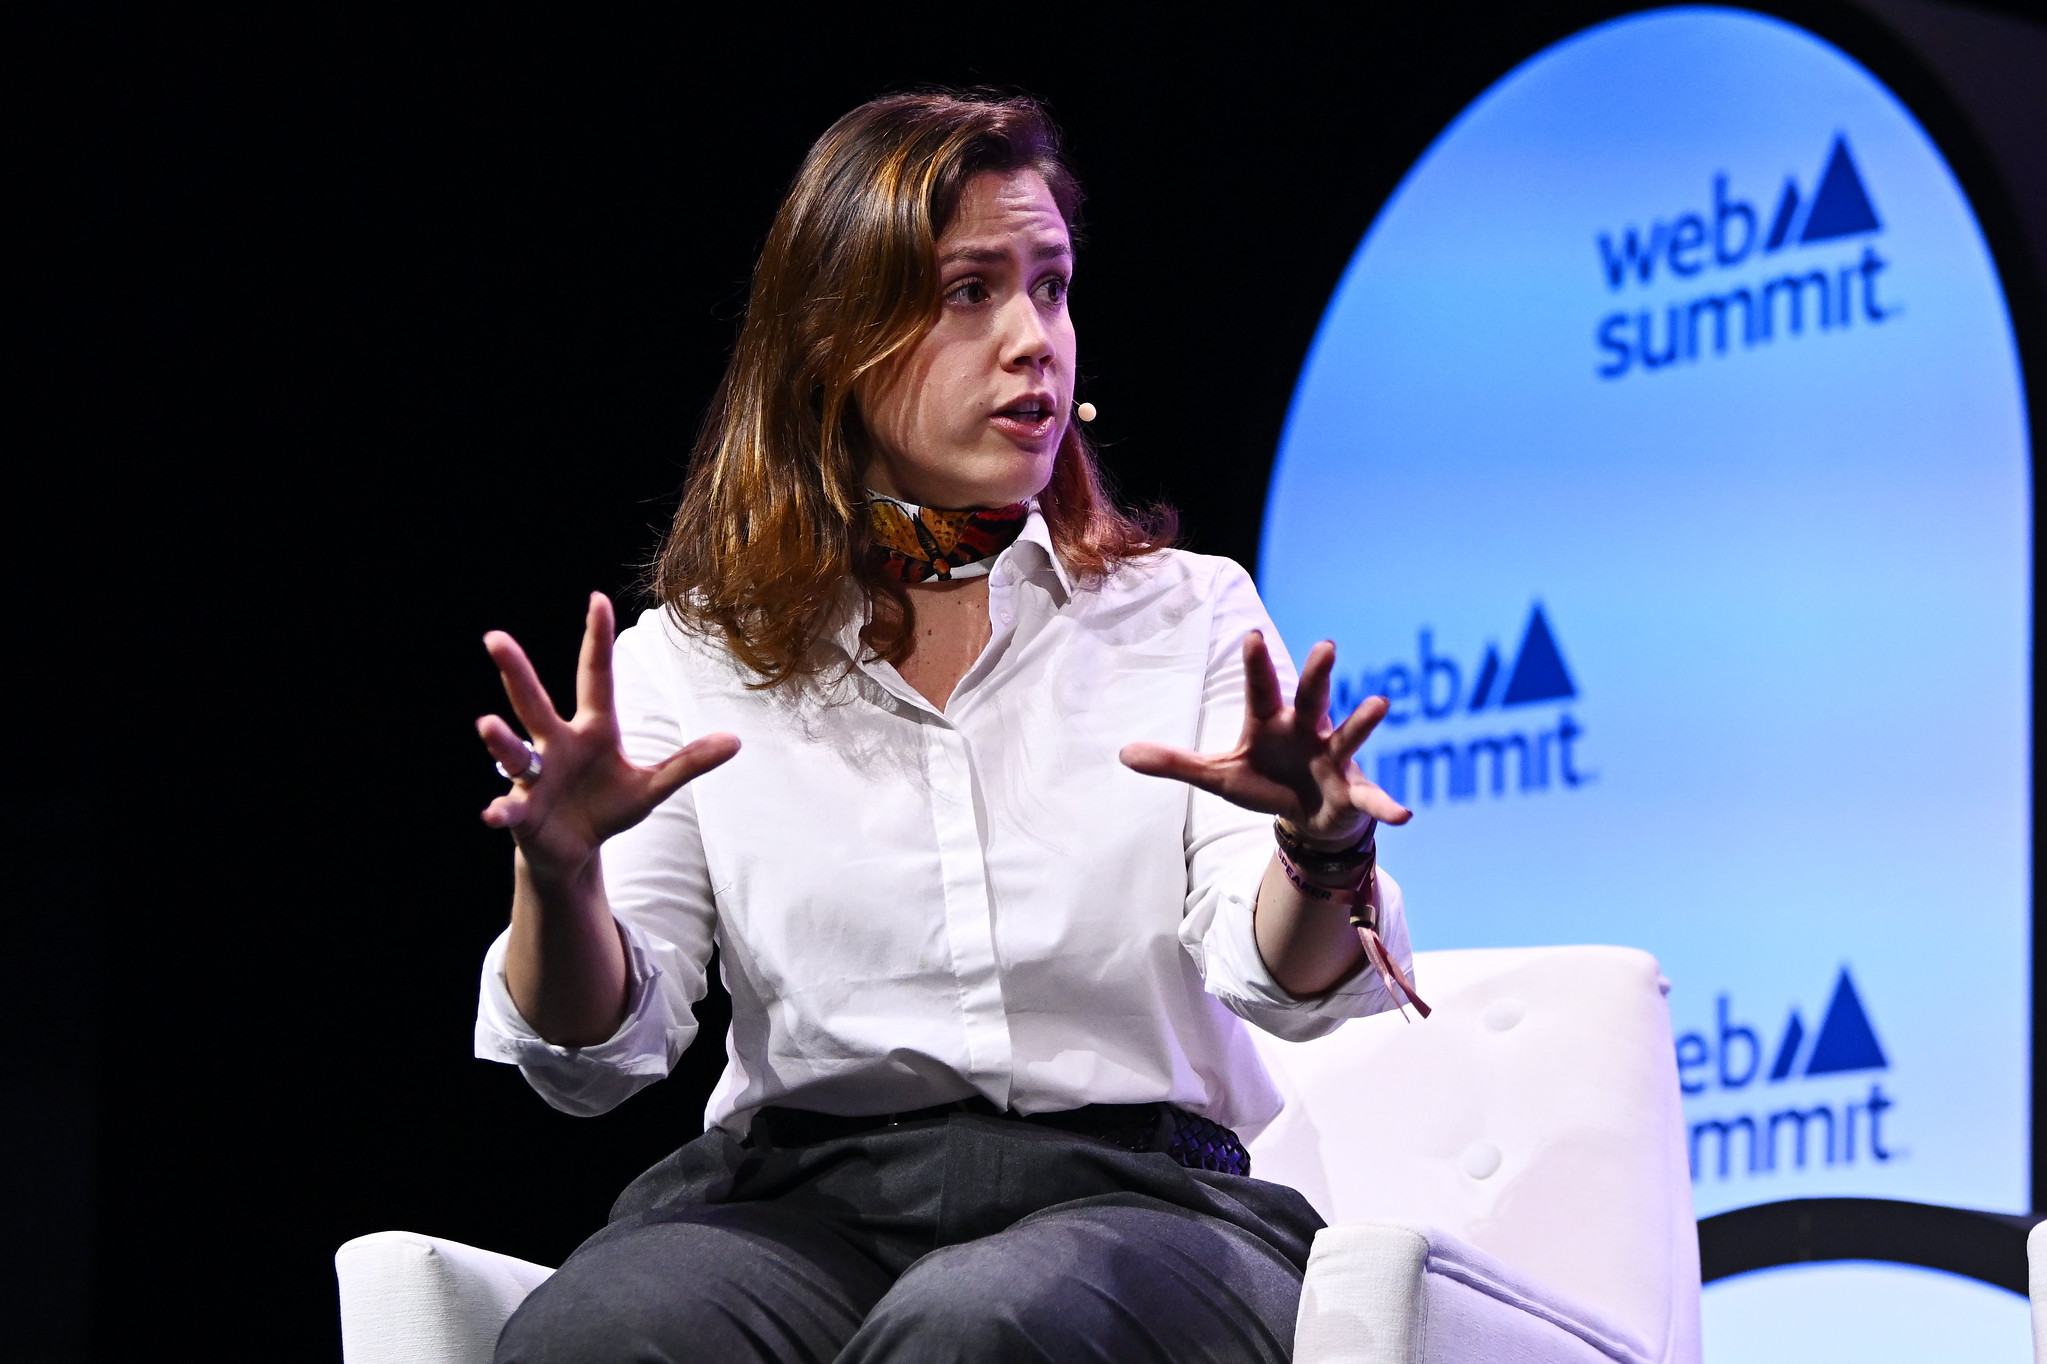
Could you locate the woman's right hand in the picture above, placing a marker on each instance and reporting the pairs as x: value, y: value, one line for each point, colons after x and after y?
x: 587, y: 789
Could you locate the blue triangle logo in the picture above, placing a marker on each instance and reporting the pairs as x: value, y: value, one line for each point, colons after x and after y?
x: 1539, y: 672
x: 1787, y: 1050
x: 1787, y: 214
x: 1840, y: 206
x: 1488, y: 674
x: 1846, y: 1041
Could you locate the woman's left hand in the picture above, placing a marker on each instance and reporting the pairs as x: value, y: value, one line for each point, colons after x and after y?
x: 1290, y: 760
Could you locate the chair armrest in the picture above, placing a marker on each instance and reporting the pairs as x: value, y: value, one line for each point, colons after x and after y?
x: 2036, y: 1288
x: 1381, y: 1293
x: 410, y: 1299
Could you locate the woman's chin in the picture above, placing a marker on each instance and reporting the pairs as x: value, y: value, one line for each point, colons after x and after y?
x: 994, y: 479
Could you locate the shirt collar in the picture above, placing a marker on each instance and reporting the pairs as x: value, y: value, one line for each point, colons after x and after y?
x: 1038, y: 536
x: 1033, y: 545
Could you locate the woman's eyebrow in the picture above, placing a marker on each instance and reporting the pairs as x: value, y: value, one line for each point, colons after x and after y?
x: 995, y: 255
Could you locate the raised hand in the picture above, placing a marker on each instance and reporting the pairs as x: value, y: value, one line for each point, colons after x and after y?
x: 586, y: 789
x: 1290, y: 761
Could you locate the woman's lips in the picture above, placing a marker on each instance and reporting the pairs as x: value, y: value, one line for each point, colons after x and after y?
x: 1025, y: 426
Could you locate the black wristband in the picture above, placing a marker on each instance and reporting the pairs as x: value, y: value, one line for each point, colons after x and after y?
x: 1345, y: 862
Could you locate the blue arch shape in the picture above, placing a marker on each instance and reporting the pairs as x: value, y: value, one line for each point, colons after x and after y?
x: 1420, y: 449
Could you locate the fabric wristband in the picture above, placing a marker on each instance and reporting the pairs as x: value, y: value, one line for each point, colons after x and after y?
x: 1341, y: 864
x: 1364, y: 918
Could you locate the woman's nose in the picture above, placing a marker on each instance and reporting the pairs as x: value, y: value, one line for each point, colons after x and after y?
x: 1028, y: 341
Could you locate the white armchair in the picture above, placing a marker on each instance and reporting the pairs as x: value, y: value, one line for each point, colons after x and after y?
x: 1505, y: 1182
x: 408, y: 1299
x: 2036, y: 1285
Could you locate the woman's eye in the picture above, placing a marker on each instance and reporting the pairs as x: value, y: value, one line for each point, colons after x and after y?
x: 968, y: 291
x: 1053, y: 290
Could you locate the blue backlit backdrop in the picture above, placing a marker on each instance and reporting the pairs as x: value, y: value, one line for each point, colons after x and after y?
x: 1662, y: 456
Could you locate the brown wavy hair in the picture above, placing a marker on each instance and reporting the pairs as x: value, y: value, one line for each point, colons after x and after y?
x: 772, y: 524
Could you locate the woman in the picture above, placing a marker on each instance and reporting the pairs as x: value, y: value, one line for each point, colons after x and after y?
x: 989, y: 975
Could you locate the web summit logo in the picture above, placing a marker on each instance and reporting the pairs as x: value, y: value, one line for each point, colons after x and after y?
x: 1431, y: 691
x: 1811, y: 1130
x: 1825, y: 296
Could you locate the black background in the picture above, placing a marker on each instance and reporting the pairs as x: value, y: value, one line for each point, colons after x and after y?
x: 371, y: 331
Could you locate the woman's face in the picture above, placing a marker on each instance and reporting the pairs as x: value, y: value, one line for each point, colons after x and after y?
x: 973, y: 415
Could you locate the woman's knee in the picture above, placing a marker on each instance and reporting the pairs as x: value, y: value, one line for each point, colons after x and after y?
x: 727, y: 1284
x: 965, y: 1302
x: 1124, y: 1283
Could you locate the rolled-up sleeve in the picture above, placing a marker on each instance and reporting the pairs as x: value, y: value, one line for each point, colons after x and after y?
x: 658, y: 886
x: 1228, y: 849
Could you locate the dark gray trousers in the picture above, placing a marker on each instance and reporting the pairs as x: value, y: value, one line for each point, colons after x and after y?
x: 971, y: 1238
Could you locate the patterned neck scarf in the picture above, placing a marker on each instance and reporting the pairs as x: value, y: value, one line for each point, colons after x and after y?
x: 918, y: 544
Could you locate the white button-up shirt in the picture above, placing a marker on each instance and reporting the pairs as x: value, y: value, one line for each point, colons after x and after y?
x: 914, y: 905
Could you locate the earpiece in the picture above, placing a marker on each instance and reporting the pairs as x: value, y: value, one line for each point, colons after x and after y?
x: 1086, y: 412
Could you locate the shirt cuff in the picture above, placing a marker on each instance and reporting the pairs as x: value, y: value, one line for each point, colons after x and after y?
x: 585, y: 1080
x: 1237, y: 974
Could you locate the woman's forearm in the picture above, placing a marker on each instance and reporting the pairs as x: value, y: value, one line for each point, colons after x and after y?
x: 1308, y: 945
x: 566, y: 962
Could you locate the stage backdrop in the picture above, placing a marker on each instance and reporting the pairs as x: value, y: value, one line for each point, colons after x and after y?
x: 1662, y: 456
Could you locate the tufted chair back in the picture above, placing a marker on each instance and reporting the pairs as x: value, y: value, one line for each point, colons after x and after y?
x: 1534, y: 1116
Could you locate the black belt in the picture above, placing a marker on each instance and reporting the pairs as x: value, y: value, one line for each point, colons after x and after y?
x: 1189, y: 1139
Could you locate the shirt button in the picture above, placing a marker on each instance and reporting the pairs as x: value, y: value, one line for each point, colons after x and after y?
x: 1008, y: 618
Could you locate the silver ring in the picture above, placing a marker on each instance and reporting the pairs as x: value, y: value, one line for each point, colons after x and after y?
x: 532, y: 772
